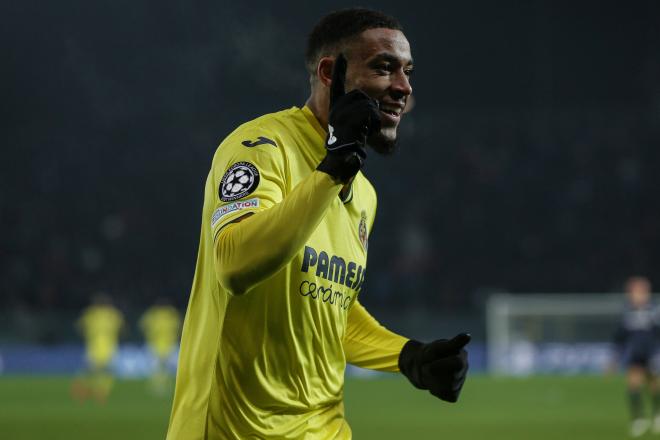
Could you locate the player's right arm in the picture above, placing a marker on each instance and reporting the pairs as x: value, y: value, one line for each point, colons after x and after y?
x: 252, y: 245
x: 251, y: 250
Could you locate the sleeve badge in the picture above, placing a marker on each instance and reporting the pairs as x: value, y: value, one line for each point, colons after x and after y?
x: 240, y: 180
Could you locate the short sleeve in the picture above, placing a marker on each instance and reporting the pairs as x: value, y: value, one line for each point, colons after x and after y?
x: 248, y: 175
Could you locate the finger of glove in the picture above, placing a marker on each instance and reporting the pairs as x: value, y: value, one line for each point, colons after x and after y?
x: 366, y: 110
x: 355, y: 163
x: 338, y: 85
x: 374, y: 120
x: 459, y: 383
x: 445, y: 394
x: 448, y: 392
x: 460, y: 340
x: 436, y: 350
x: 354, y: 96
x: 464, y: 360
x: 345, y: 105
x: 360, y: 151
x: 449, y: 367
x: 443, y: 347
x: 350, y: 165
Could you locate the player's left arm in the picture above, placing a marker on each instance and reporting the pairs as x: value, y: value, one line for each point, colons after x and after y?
x: 368, y: 344
x: 440, y: 366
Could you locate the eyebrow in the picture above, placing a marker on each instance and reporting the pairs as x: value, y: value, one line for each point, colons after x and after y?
x: 386, y: 56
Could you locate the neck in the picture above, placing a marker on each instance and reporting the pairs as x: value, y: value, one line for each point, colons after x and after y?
x: 319, y: 107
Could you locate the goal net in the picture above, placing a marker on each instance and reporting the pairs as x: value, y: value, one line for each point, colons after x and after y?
x: 551, y: 333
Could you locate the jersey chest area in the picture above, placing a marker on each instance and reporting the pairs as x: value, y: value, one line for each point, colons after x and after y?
x: 331, y: 267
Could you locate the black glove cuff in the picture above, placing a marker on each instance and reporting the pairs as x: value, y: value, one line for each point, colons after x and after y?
x: 341, y: 167
x: 409, y: 364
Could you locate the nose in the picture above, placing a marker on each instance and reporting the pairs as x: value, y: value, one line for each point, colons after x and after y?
x: 401, y: 84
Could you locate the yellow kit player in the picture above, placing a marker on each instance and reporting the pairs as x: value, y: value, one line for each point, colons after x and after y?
x: 161, y: 324
x: 100, y: 325
x: 274, y: 313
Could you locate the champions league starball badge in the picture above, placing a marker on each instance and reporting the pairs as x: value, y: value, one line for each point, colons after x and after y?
x: 241, y: 179
x: 362, y: 231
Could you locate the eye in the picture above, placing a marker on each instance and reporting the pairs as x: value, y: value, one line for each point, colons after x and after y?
x: 408, y: 72
x: 383, y: 68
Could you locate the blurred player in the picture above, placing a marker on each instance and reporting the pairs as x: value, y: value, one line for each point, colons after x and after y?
x: 161, y: 324
x: 274, y: 314
x: 100, y: 325
x: 637, y: 343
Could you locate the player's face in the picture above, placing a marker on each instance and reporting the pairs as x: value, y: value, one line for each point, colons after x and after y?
x: 380, y: 64
x: 639, y: 293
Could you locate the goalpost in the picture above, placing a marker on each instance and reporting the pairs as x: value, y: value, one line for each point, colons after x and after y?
x: 551, y: 333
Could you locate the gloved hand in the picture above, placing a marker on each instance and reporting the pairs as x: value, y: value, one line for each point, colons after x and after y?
x: 353, y: 117
x: 439, y: 366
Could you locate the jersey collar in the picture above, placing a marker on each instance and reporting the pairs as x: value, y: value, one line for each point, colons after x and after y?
x: 314, y: 122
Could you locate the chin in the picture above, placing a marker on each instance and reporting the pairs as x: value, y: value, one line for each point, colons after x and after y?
x: 384, y: 142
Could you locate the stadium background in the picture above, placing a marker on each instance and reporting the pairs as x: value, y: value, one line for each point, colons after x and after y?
x: 528, y: 164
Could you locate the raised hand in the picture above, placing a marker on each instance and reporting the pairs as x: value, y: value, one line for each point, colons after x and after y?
x: 353, y: 117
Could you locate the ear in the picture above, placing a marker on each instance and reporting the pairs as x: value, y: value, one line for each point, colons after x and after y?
x: 324, y: 70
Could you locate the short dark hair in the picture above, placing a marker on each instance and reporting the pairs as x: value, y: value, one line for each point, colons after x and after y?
x: 340, y: 26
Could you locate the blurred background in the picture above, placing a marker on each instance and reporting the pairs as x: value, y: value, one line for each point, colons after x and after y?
x: 528, y: 166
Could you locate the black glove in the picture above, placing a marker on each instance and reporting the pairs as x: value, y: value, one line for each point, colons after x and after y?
x: 353, y: 117
x: 439, y: 367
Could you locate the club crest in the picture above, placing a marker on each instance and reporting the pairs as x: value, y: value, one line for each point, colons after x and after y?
x: 362, y: 231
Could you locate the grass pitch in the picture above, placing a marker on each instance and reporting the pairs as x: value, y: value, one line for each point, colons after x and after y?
x: 536, y: 408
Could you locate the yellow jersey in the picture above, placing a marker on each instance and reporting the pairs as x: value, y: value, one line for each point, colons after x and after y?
x: 269, y: 362
x: 100, y: 325
x: 161, y: 325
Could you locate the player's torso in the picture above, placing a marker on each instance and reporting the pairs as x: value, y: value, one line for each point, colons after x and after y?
x: 281, y: 347
x: 640, y: 319
x: 160, y: 325
x: 101, y: 325
x: 641, y: 327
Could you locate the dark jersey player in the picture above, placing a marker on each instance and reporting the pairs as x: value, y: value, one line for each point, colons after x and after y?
x: 637, y: 343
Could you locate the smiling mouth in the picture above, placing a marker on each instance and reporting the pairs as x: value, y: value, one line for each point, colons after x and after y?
x: 391, y: 113
x: 390, y: 110
x: 390, y: 117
